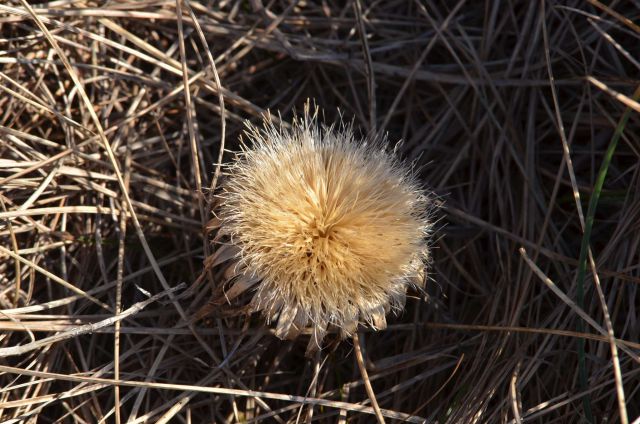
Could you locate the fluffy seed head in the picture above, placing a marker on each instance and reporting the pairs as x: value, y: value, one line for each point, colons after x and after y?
x: 330, y: 230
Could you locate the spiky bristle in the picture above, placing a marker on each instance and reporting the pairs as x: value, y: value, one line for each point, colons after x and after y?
x: 334, y: 229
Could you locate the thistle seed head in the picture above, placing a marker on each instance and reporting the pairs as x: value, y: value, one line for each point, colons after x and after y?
x: 328, y: 230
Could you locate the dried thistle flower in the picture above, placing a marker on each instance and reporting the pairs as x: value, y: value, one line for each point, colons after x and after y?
x: 330, y: 231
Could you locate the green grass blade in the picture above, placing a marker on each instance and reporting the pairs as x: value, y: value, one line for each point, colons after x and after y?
x: 584, y: 247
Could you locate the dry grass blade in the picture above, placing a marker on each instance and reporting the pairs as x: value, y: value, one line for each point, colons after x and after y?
x: 622, y: 405
x: 628, y: 22
x: 627, y: 101
x: 371, y: 80
x: 54, y: 277
x: 189, y: 111
x: 571, y: 303
x: 107, y: 148
x: 216, y: 390
x: 85, y: 329
x: 365, y: 377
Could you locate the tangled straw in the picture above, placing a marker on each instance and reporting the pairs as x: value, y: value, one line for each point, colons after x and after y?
x: 329, y: 230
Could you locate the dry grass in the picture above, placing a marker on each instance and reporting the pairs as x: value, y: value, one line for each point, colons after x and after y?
x: 522, y: 115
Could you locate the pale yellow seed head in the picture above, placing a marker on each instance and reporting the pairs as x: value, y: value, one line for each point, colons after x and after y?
x: 331, y: 230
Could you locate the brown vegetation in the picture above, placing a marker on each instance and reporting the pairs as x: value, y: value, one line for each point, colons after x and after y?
x: 522, y: 116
